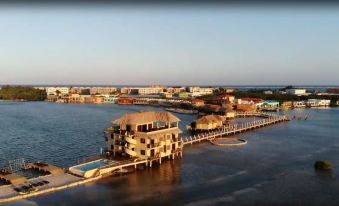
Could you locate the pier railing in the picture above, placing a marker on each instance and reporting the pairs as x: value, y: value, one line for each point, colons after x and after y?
x: 268, y: 119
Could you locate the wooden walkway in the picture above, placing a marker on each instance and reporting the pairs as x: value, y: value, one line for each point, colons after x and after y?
x: 268, y: 119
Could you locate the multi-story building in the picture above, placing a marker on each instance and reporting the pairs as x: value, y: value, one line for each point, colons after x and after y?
x: 198, y: 91
x: 150, y: 90
x: 55, y: 90
x: 296, y: 91
x: 102, y: 90
x: 299, y: 104
x: 145, y: 135
x: 318, y: 102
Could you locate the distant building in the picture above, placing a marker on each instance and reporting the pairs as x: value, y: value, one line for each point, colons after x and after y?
x: 296, y: 91
x: 198, y: 102
x: 299, y: 104
x: 198, y: 91
x: 53, y: 90
x: 251, y: 101
x: 268, y: 92
x: 338, y: 103
x: 145, y: 135
x: 183, y: 95
x: 270, y: 105
x: 318, y: 102
x: 226, y: 99
x: 111, y: 99
x: 125, y: 101
x: 150, y: 90
x: 333, y: 90
x: 103, y: 90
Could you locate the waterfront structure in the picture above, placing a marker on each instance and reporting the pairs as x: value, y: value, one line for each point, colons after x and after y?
x: 184, y: 95
x: 145, y: 135
x: 54, y: 90
x: 270, y: 105
x: 299, y: 104
x: 111, y: 99
x: 338, y: 103
x: 126, y: 101
x: 318, y: 102
x: 198, y: 102
x: 298, y: 92
x: 208, y: 122
x: 176, y: 90
x: 287, y: 104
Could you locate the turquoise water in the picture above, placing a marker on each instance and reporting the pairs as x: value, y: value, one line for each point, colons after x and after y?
x: 92, y: 165
x: 274, y: 168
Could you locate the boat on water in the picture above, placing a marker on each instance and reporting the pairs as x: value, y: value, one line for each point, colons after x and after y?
x: 182, y: 111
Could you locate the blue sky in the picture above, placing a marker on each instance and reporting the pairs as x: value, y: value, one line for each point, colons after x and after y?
x: 169, y: 45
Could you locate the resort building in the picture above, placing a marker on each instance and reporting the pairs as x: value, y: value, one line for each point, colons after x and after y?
x: 318, y: 102
x: 56, y: 90
x: 145, y: 135
x: 208, y: 122
x: 299, y: 104
x: 298, y: 92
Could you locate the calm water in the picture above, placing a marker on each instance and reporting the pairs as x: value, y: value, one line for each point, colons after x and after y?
x: 274, y: 168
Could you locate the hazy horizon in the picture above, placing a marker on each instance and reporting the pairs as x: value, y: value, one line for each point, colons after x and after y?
x: 112, y: 45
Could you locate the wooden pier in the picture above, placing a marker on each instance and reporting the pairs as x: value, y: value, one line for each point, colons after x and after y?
x: 267, y: 119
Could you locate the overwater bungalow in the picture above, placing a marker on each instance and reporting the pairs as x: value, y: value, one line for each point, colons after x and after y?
x: 145, y: 135
x: 208, y: 122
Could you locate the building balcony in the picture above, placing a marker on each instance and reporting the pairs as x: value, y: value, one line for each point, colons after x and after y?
x: 131, y: 140
x: 130, y: 152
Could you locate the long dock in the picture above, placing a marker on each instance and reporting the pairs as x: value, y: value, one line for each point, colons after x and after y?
x: 268, y: 119
x: 60, y: 180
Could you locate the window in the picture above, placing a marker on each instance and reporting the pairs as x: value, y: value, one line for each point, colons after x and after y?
x: 142, y: 152
x: 142, y: 140
x: 112, y: 136
x: 112, y: 146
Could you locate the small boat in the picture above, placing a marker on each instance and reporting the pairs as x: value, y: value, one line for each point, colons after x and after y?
x: 182, y: 111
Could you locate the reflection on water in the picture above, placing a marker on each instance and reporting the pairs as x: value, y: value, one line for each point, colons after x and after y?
x: 274, y: 168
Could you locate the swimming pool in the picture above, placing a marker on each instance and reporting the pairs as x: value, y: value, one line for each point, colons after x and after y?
x: 92, y: 165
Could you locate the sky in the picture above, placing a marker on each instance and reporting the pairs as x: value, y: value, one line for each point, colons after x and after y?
x: 169, y: 45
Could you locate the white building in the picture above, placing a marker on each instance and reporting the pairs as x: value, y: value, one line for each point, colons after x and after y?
x: 198, y: 91
x: 318, y: 103
x: 296, y: 91
x: 150, y: 90
x: 268, y: 92
x: 102, y: 90
x: 299, y: 104
x: 53, y: 90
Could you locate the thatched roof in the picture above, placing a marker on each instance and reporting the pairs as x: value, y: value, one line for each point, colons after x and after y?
x: 145, y: 117
x: 210, y: 119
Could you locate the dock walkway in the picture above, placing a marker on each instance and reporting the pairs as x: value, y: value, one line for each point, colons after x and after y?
x: 268, y: 119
